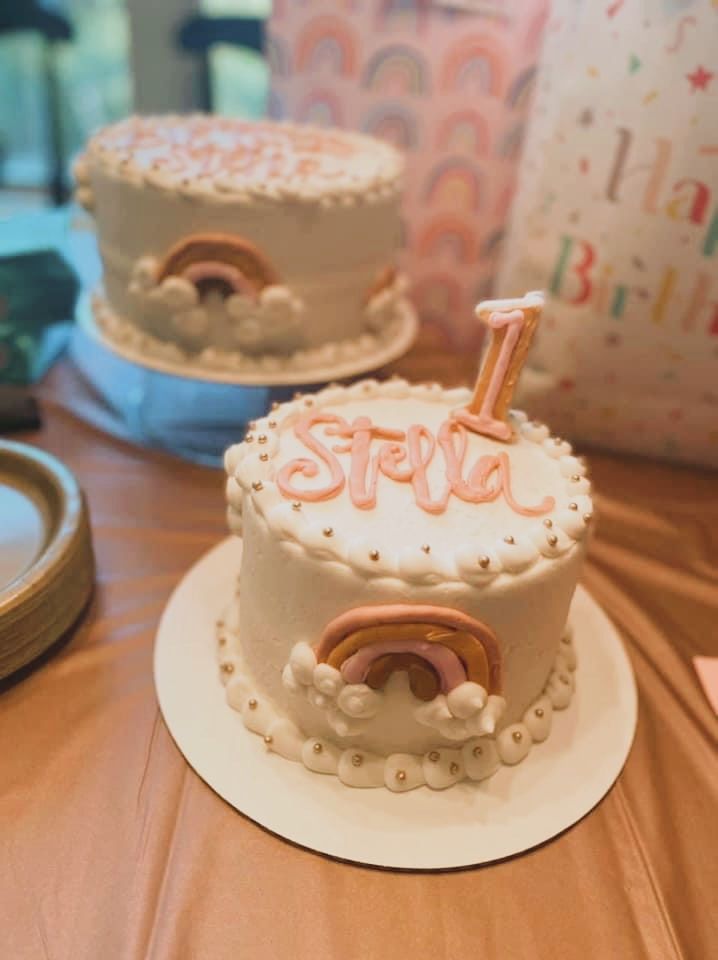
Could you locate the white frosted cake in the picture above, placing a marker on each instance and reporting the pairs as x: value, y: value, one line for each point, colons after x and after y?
x: 246, y: 246
x: 405, y: 583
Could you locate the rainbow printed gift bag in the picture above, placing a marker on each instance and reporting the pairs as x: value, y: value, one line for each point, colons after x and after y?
x: 617, y: 217
x: 447, y: 81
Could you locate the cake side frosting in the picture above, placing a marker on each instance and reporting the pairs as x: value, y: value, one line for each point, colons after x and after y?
x: 364, y: 507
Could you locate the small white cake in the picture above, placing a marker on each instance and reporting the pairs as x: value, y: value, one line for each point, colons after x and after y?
x: 405, y: 584
x: 242, y: 245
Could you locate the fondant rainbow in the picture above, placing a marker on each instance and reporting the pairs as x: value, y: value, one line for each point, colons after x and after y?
x: 327, y: 41
x: 510, y: 145
x: 397, y: 68
x: 521, y: 88
x: 465, y: 131
x: 277, y: 56
x: 393, y: 122
x: 475, y: 63
x: 447, y: 644
x: 223, y: 261
x: 321, y: 107
x: 448, y: 234
x: 454, y: 182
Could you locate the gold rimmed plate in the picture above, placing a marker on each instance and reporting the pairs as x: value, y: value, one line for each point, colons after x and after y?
x: 46, y: 560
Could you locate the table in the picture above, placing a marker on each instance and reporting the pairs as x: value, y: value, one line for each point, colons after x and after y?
x: 111, y: 847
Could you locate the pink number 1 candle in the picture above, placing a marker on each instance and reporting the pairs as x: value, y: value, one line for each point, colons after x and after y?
x: 512, y: 324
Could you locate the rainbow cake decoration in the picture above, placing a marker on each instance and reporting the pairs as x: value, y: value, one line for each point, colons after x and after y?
x: 409, y: 557
x: 243, y: 246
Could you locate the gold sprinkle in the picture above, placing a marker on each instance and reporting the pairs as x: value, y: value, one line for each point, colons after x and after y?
x: 357, y: 760
x: 453, y: 768
x: 426, y: 548
x: 547, y: 522
x: 262, y: 438
x: 275, y: 406
x: 328, y: 531
x: 401, y: 775
x: 477, y: 751
x: 552, y: 539
x: 308, y: 402
x: 296, y: 505
x: 374, y: 555
x: 517, y: 736
x: 434, y: 756
x: 587, y: 517
x: 272, y: 424
x: 484, y: 562
x: 264, y: 457
x: 252, y: 704
x: 575, y: 477
x: 573, y: 506
x: 268, y: 739
x: 222, y: 641
x: 317, y: 747
x: 509, y: 539
x: 227, y: 667
x: 257, y: 485
x: 539, y: 712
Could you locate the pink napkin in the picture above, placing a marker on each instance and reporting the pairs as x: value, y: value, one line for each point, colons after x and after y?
x: 707, y: 670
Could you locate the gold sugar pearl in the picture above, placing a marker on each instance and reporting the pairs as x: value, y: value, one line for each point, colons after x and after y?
x: 434, y: 756
x: 587, y: 517
x: 484, y: 562
x: 517, y: 736
x: 548, y: 522
x: 509, y: 539
x: 264, y: 457
x: 296, y: 505
x: 252, y: 704
x: 426, y: 548
x: 477, y: 751
x: 262, y: 438
x: 249, y: 438
x: 275, y: 405
x: 401, y: 775
x: 539, y: 712
x: 269, y: 739
x: 454, y: 768
x: 573, y: 506
x: 227, y: 668
x: 308, y: 402
x: 552, y: 539
x: 272, y: 424
x: 357, y: 760
x: 565, y: 640
x: 257, y: 485
x: 328, y: 531
x: 575, y: 477
x: 317, y: 747
x: 252, y: 425
x: 222, y: 641
x: 296, y: 396
x: 374, y: 555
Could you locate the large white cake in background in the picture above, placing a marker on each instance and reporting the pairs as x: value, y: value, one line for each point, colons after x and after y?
x: 246, y: 246
x: 404, y: 586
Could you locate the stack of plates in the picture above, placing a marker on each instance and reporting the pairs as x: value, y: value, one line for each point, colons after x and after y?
x: 46, y: 559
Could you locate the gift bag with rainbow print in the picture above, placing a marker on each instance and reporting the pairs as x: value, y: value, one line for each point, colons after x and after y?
x: 617, y: 218
x: 447, y: 81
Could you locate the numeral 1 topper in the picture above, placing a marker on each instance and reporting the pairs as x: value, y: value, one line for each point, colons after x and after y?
x: 512, y: 324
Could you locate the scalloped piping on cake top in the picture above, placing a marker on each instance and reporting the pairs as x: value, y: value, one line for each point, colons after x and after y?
x: 228, y: 160
x: 475, y: 759
x: 251, y: 473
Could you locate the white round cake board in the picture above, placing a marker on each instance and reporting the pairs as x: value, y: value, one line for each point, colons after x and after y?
x: 384, y: 353
x: 470, y: 823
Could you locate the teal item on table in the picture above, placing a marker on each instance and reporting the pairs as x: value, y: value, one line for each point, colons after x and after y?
x: 38, y: 293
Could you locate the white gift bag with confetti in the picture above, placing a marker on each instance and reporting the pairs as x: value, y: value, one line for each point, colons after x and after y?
x: 617, y: 219
x: 450, y: 82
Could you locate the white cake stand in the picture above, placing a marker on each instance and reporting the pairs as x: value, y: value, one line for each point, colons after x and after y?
x: 559, y: 782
